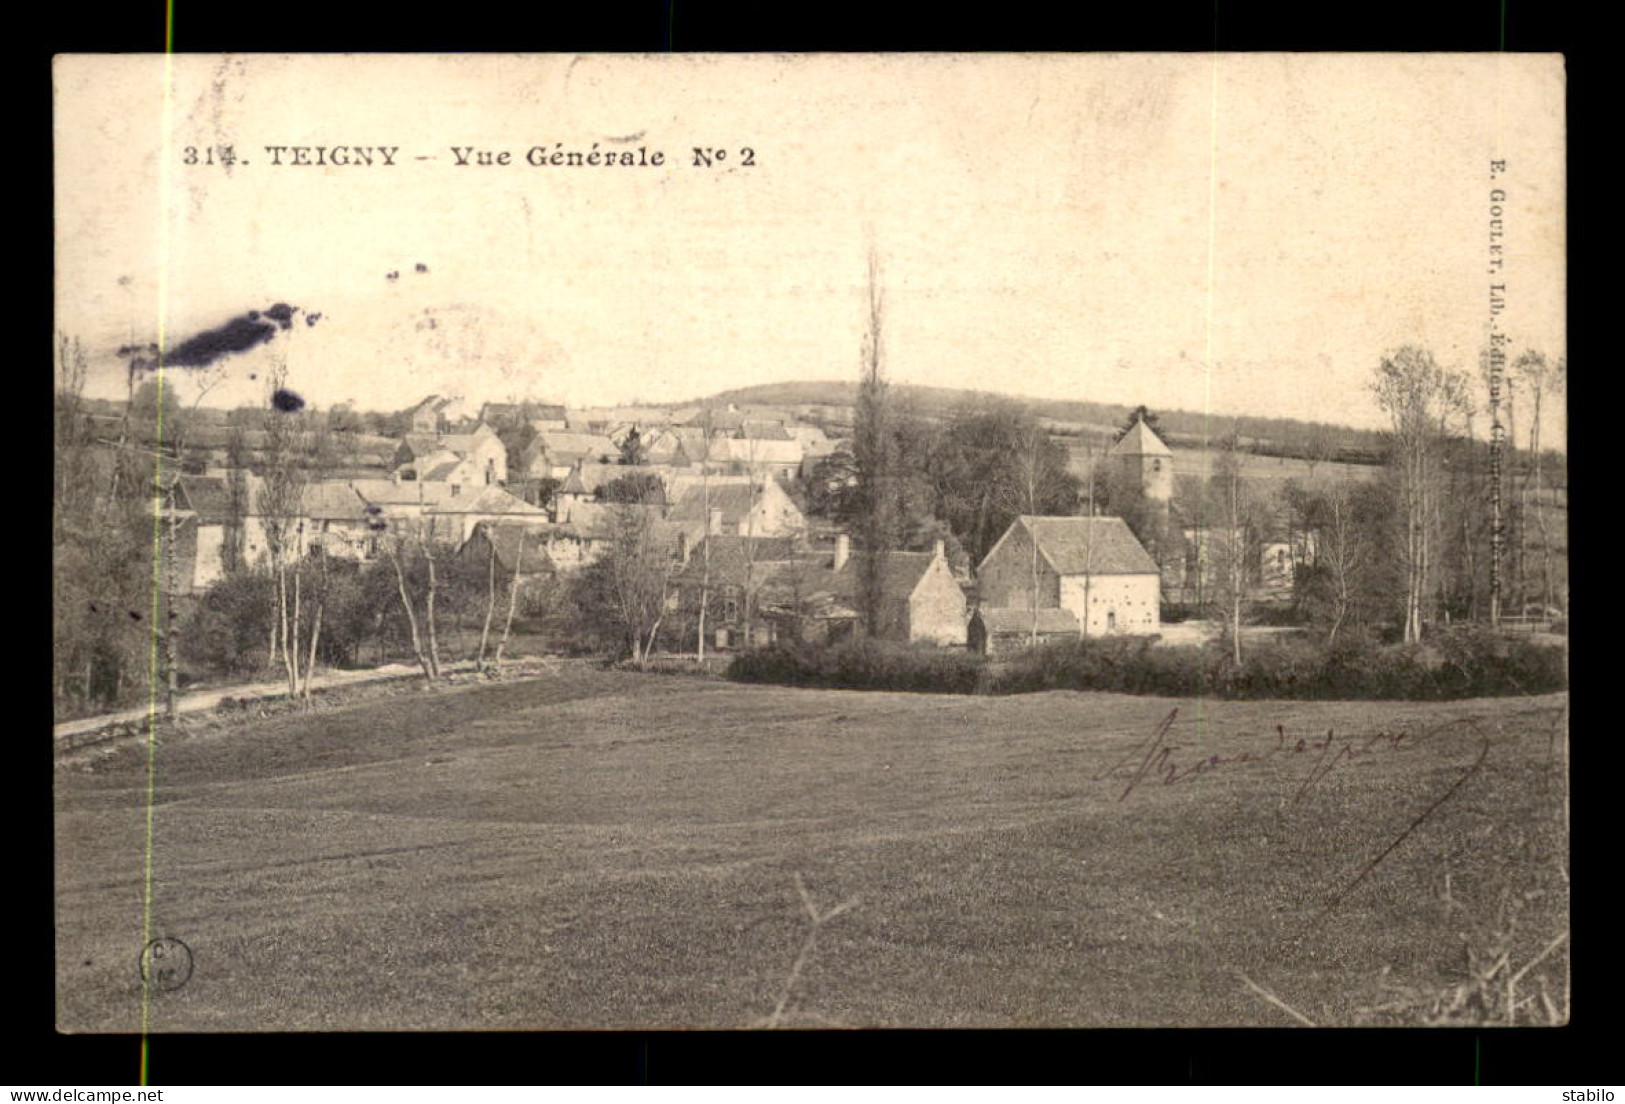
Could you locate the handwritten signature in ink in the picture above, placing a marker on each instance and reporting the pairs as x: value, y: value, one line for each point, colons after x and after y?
x: 1157, y: 760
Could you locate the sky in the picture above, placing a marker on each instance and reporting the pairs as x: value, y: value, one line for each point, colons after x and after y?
x: 1244, y: 234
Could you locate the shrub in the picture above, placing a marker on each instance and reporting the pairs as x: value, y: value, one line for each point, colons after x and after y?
x: 863, y: 665
x: 1464, y: 662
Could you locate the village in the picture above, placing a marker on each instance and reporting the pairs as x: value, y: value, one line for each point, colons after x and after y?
x: 290, y: 538
x: 725, y: 490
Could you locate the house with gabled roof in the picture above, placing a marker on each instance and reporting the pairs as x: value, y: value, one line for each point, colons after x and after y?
x: 474, y: 458
x: 432, y: 414
x: 749, y: 456
x: 513, y: 550
x: 920, y: 600
x: 748, y: 507
x: 553, y: 451
x: 730, y: 575
x: 1093, y: 567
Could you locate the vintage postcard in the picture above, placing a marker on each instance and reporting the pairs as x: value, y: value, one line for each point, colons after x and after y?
x: 810, y: 541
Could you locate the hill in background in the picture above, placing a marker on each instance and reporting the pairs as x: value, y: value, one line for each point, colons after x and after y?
x: 1092, y: 422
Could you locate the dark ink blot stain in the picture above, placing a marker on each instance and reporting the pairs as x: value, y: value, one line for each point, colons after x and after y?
x: 421, y: 267
x: 134, y: 616
x: 253, y: 375
x: 238, y: 335
x: 312, y: 318
x: 392, y: 275
x: 143, y: 358
x: 287, y: 401
x: 282, y: 315
x: 93, y: 608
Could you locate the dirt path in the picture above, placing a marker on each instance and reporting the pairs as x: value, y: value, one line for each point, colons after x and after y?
x: 208, y: 698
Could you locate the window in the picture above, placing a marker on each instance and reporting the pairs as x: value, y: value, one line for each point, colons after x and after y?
x: 1111, y: 620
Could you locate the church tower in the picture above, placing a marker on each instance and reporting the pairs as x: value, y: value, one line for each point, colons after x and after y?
x: 1142, y: 458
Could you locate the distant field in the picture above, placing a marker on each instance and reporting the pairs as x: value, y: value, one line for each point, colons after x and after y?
x: 607, y: 849
x: 1198, y: 462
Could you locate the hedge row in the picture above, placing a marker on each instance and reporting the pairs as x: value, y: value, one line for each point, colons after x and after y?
x: 1461, y: 663
x: 865, y: 665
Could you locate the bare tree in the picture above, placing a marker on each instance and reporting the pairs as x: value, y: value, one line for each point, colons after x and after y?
x: 1233, y: 512
x: 513, y: 600
x: 428, y: 545
x: 397, y: 546
x: 638, y: 568
x: 280, y: 505
x: 490, y: 598
x: 1420, y: 399
x: 707, y: 423
x: 1319, y: 447
x: 1341, y: 552
x: 871, y: 448
x: 1539, y: 378
x: 1033, y: 480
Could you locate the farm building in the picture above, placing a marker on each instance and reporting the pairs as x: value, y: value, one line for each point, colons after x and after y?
x: 992, y: 631
x: 1092, y: 567
x: 921, y: 601
x: 512, y: 550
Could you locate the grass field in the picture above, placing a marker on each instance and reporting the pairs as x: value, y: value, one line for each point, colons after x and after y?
x: 606, y: 849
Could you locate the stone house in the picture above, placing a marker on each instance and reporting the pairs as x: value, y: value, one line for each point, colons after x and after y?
x: 1092, y: 567
x: 738, y: 507
x: 478, y: 458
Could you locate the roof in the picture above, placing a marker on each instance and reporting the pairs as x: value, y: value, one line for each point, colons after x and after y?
x: 1140, y: 441
x: 517, y: 411
x: 441, y: 470
x: 754, y: 450
x: 900, y: 574
x: 764, y: 431
x: 488, y: 500
x: 573, y: 484
x: 1087, y: 546
x: 666, y: 447
x: 421, y: 444
x: 208, y: 497
x: 729, y: 556
x: 330, y: 500
x: 564, y: 443
x: 387, y: 492
x: 597, y: 521
x: 1051, y: 619
x: 733, y: 499
x: 595, y: 476
x: 510, y: 539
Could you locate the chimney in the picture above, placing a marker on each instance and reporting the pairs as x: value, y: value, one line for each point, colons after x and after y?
x: 940, y: 551
x: 713, y: 524
x: 843, y: 550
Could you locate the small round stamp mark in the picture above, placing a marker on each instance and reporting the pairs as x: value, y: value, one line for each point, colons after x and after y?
x: 166, y: 964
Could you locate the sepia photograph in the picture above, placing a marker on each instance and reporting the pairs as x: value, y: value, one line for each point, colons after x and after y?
x: 810, y: 541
